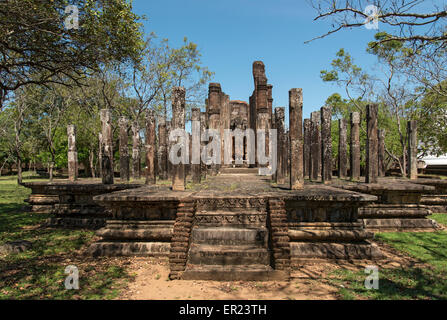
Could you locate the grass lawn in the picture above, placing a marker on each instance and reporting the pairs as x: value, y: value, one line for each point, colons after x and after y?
x: 39, y: 273
x: 429, y: 282
x: 440, y: 218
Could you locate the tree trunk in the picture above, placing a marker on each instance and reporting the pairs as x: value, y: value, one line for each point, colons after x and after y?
x: 19, y: 170
x: 91, y: 159
x: 3, y: 165
x: 51, y: 171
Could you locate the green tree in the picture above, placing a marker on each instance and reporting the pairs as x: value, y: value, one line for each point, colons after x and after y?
x: 396, y: 98
x: 432, y: 123
x: 37, y: 46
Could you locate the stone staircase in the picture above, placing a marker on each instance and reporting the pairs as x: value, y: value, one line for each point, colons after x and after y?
x: 239, y: 170
x: 230, y: 244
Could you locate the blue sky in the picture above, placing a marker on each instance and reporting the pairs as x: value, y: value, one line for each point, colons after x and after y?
x: 231, y: 34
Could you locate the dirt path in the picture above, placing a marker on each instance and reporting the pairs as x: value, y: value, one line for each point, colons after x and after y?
x: 152, y: 283
x: 307, y: 283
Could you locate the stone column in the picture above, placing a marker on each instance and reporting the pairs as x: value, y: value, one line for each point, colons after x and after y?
x: 195, y: 144
x: 381, y: 159
x: 178, y: 122
x: 168, y: 145
x: 188, y: 167
x: 107, y: 154
x: 136, y: 163
x: 412, y: 149
x: 202, y: 143
x: 355, y: 146
x: 214, y: 105
x: 342, y: 149
x: 162, y: 149
x: 225, y: 118
x: 306, y: 148
x: 124, y: 149
x: 279, y: 126
x: 326, y: 144
x: 372, y: 144
x: 315, y: 146
x: 261, y: 99
x: 270, y: 103
x: 72, y: 153
x: 287, y: 154
x: 150, y: 148
x: 100, y: 153
x: 296, y: 138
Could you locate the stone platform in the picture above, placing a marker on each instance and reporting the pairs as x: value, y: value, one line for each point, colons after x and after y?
x: 435, y: 199
x: 236, y: 226
x: 72, y: 203
x: 398, y: 206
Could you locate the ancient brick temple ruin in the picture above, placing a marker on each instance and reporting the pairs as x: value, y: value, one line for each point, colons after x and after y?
x: 222, y: 113
x: 230, y: 223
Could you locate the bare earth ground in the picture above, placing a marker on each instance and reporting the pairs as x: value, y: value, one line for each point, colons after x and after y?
x: 309, y: 282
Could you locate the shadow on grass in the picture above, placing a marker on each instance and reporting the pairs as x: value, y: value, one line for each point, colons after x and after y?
x: 394, y: 284
x: 428, y: 247
x: 13, y: 218
x: 44, y: 278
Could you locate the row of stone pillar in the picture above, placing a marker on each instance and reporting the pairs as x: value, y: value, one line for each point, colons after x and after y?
x: 156, y: 160
x: 318, y: 146
x: 310, y: 154
x: 317, y: 150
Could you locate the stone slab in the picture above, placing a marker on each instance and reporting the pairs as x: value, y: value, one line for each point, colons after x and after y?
x: 234, y: 273
x: 304, y: 251
x: 396, y: 224
x: 149, y: 249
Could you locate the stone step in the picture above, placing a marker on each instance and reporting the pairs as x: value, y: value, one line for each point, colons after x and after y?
x: 304, y: 251
x: 238, y: 217
x: 330, y: 235
x: 69, y: 222
x: 128, y: 230
x: 251, y: 171
x: 227, y: 255
x: 396, y: 224
x: 146, y: 249
x: 252, y: 272
x: 230, y: 236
